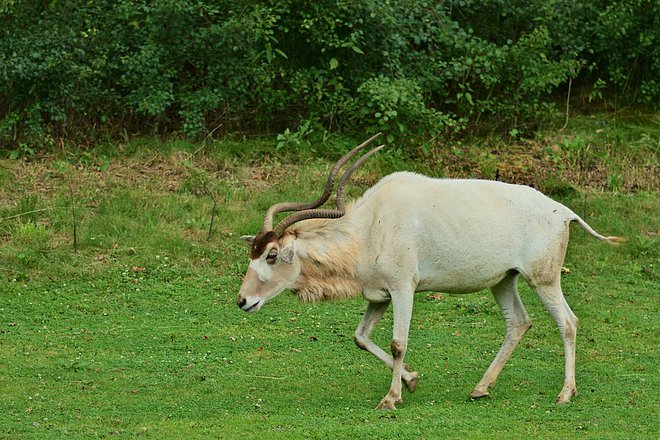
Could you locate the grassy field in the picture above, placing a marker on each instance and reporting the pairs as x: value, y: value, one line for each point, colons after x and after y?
x: 135, y: 332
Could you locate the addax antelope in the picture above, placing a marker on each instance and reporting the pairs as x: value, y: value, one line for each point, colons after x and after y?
x: 412, y: 233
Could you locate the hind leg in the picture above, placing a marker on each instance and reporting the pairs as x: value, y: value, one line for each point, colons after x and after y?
x: 517, y: 324
x: 552, y: 297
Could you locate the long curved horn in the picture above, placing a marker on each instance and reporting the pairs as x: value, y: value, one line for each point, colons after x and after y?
x: 347, y: 174
x: 326, y: 213
x: 298, y: 206
x: 304, y: 215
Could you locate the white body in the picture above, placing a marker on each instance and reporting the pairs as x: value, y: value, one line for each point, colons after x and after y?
x: 455, y: 236
x: 413, y: 233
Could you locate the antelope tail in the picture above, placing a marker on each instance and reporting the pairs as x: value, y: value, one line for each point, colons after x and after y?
x: 613, y: 240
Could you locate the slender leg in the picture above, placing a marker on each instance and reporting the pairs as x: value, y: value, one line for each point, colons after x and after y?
x: 371, y: 317
x: 402, y: 304
x: 554, y: 301
x: 517, y: 324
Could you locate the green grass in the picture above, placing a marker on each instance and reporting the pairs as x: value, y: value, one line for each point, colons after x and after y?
x: 137, y: 335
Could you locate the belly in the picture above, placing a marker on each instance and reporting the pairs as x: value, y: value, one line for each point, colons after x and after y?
x: 461, y: 279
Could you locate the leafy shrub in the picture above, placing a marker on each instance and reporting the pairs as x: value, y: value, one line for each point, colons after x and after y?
x: 396, y: 106
x: 70, y: 68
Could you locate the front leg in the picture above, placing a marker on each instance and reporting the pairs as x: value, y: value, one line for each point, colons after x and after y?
x: 402, y: 303
x: 374, y: 313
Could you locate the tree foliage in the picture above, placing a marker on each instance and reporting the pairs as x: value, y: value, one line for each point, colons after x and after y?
x: 194, y: 66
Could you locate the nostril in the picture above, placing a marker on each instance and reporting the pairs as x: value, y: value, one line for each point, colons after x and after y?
x: 241, y: 302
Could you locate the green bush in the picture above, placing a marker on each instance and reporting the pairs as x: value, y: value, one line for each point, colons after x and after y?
x: 397, y: 106
x: 71, y: 69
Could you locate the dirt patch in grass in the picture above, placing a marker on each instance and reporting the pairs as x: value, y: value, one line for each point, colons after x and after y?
x: 546, y: 163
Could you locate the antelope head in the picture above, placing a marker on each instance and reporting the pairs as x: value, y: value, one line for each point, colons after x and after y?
x: 274, y: 266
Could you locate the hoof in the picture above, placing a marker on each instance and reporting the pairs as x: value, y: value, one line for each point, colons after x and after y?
x: 411, y: 384
x: 386, y: 405
x: 565, y: 397
x: 389, y: 402
x: 478, y: 394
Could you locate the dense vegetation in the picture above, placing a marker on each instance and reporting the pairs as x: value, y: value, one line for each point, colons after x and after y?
x: 72, y: 70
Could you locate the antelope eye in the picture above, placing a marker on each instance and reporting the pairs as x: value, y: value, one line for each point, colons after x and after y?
x: 272, y: 256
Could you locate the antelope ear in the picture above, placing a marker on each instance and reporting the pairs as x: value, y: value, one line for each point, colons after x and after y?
x: 249, y: 239
x: 286, y: 253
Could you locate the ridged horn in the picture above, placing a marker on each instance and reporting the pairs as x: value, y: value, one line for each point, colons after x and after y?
x: 347, y: 174
x: 301, y: 206
x: 326, y: 213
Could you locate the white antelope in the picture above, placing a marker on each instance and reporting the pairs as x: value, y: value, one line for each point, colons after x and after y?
x: 412, y: 233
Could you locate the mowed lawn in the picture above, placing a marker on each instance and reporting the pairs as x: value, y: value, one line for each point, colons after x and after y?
x: 137, y: 333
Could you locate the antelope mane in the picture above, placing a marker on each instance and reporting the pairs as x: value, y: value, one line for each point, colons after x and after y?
x: 328, y: 257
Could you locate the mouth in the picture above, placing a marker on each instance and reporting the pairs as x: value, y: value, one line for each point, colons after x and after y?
x: 252, y: 307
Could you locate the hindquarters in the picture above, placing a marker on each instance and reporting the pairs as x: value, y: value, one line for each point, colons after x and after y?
x: 544, y: 258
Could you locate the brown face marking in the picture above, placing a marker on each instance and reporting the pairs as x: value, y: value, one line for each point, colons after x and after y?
x: 260, y: 242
